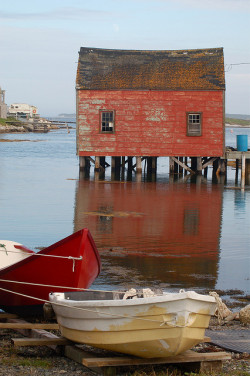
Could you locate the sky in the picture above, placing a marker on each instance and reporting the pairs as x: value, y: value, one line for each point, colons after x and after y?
x: 40, y: 41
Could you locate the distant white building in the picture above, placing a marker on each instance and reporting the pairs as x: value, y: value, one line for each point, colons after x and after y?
x: 22, y: 110
x: 3, y: 105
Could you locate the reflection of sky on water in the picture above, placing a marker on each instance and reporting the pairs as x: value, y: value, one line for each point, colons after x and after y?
x: 234, y: 269
x: 38, y: 189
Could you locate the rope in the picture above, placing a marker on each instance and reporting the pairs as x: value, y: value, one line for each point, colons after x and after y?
x: 161, y: 323
x: 42, y: 254
x: 74, y: 259
x: 58, y: 287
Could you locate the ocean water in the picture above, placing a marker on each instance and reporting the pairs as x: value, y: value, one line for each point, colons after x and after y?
x: 170, y: 233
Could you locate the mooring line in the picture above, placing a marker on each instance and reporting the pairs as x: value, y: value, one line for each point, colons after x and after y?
x: 58, y: 287
x: 74, y: 259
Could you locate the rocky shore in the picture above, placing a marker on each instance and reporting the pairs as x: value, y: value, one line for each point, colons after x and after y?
x: 43, y: 361
x: 31, y: 125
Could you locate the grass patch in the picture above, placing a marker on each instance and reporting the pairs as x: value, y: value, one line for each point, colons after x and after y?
x: 241, y: 122
x: 26, y: 362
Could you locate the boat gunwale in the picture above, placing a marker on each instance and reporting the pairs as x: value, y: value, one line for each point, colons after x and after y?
x: 47, y: 250
x: 165, y: 298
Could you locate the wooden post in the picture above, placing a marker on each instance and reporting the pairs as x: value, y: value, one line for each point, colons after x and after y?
x: 83, y: 163
x: 206, y: 168
x: 123, y: 162
x: 112, y: 163
x: 149, y: 165
x: 181, y: 168
x: 117, y: 163
x: 248, y: 171
x: 236, y: 171
x: 176, y: 166
x: 102, y: 162
x: 84, y: 174
x: 97, y: 163
x: 130, y: 163
x: 138, y: 164
x: 243, y: 170
x: 138, y: 176
x: 154, y: 163
x: 222, y: 166
x: 215, y: 167
x: 199, y: 166
x: 186, y: 163
x: 194, y: 164
x: 171, y: 165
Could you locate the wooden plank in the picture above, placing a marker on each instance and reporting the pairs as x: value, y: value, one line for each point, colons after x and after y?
x: 77, y: 354
x: 40, y: 341
x: 27, y: 325
x: 34, y: 333
x: 5, y: 315
x: 237, y: 154
x: 182, y: 165
x: 187, y: 357
x: 206, y: 339
x: 209, y: 162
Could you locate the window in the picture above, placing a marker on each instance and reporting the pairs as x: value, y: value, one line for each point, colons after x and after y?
x: 107, y: 119
x: 194, y: 124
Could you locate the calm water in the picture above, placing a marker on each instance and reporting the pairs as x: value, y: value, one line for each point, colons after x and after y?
x: 171, y: 234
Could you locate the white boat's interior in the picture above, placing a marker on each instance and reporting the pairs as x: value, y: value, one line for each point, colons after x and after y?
x: 10, y: 255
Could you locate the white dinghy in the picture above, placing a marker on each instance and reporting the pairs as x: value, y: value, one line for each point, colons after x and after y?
x: 12, y: 252
x: 144, y: 325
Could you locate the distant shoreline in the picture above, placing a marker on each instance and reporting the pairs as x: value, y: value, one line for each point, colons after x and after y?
x: 236, y: 126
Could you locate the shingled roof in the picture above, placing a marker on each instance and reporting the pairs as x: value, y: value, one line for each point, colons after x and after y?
x: 104, y: 69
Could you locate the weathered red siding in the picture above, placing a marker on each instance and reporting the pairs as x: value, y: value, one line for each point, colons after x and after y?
x: 150, y: 123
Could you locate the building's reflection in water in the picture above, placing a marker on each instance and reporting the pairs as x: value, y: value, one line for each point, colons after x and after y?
x: 153, y: 233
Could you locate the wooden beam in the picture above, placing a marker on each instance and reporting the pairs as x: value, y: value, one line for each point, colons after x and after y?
x: 33, y: 333
x: 91, y: 159
x: 27, y: 325
x: 182, y: 165
x: 209, y: 162
x: 186, y: 357
x: 5, y: 315
x: 77, y: 354
x: 40, y: 341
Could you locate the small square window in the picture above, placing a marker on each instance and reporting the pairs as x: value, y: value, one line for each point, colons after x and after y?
x: 194, y: 123
x: 107, y: 121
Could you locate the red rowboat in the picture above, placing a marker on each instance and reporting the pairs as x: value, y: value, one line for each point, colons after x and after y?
x: 71, y: 263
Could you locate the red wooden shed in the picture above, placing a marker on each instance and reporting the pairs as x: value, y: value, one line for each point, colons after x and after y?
x: 133, y: 103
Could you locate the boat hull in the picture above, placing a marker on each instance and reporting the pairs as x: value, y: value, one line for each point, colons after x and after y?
x: 39, y: 275
x: 149, y: 327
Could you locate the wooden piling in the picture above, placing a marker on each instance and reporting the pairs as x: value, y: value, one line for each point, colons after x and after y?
x: 97, y: 163
x: 84, y: 163
x: 138, y: 164
x: 198, y: 165
x: 243, y: 171
x: 102, y: 162
x: 171, y: 165
x: 130, y: 163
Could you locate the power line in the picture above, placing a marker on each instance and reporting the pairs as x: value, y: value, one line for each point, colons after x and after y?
x: 230, y: 66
